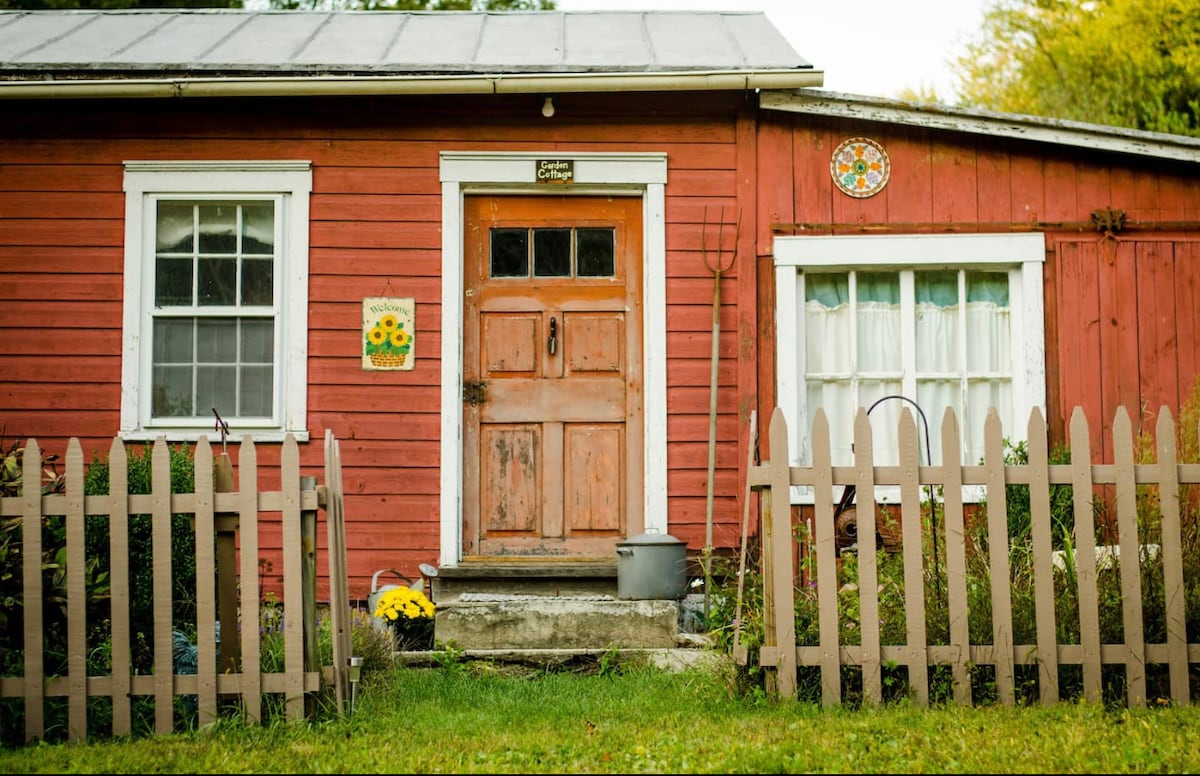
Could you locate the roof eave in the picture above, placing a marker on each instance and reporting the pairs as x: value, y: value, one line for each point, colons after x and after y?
x: 1010, y: 125
x: 328, y: 85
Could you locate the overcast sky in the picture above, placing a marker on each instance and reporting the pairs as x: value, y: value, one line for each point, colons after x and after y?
x: 868, y: 47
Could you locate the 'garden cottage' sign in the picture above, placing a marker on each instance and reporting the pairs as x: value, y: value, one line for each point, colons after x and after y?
x: 388, y: 333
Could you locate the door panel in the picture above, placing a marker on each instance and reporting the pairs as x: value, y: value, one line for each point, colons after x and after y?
x: 552, y: 375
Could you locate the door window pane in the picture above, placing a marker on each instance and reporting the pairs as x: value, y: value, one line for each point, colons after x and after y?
x: 510, y: 253
x: 595, y: 252
x: 552, y: 253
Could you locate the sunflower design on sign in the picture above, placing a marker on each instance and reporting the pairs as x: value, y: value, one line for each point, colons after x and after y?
x: 860, y: 167
x: 387, y: 333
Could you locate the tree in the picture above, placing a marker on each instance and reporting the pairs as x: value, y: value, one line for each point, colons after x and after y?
x: 1128, y: 63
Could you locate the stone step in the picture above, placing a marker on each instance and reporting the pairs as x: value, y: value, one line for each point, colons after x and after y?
x: 523, y: 577
x: 476, y: 621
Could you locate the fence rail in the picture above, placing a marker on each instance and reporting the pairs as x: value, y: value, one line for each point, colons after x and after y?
x: 226, y: 525
x: 781, y: 551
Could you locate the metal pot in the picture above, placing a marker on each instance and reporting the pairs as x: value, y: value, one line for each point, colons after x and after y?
x: 651, y: 565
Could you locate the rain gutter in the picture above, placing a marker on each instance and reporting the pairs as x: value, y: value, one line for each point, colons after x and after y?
x: 324, y: 85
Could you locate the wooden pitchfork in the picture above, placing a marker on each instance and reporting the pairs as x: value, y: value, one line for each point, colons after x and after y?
x: 717, y: 265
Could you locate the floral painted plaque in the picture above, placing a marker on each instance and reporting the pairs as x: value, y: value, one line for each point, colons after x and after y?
x: 388, y: 333
x: 860, y: 167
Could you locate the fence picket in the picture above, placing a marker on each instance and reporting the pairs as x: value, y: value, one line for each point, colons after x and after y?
x: 118, y: 548
x: 782, y: 572
x: 74, y: 524
x: 998, y: 558
x: 868, y: 572
x: 1083, y: 495
x: 250, y: 680
x: 164, y: 674
x: 31, y: 571
x: 917, y: 656
x: 1171, y: 550
x: 1128, y: 539
x: 206, y: 595
x: 1043, y: 569
x: 293, y: 591
x: 956, y: 563
x: 826, y: 544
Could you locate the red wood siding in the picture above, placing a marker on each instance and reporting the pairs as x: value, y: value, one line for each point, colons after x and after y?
x: 1121, y: 316
x: 375, y: 223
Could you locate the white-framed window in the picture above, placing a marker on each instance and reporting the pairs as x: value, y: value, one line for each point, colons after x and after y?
x: 216, y: 299
x: 927, y: 322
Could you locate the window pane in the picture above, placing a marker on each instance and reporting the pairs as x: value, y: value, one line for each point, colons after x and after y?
x: 935, y: 396
x: 937, y: 325
x: 216, y: 281
x: 173, y: 282
x: 218, y: 228
x: 837, y: 400
x: 172, y: 341
x: 989, y: 323
x: 258, y: 341
x: 258, y: 228
x: 879, y: 325
x: 216, y: 340
x: 827, y: 323
x: 254, y: 396
x: 510, y: 253
x: 594, y: 252
x: 552, y: 252
x: 172, y: 392
x: 216, y: 388
x: 257, y: 281
x: 174, y: 228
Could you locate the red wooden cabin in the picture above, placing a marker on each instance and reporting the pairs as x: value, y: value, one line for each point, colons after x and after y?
x: 234, y: 208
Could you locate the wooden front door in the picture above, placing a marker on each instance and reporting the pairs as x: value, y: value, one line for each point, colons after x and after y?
x: 552, y: 375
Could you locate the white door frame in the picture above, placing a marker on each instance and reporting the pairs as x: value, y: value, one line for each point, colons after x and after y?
x: 485, y: 172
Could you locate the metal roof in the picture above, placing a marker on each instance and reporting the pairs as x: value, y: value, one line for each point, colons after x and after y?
x: 719, y: 48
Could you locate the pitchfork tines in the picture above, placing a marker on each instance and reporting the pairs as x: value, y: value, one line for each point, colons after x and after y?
x: 719, y: 264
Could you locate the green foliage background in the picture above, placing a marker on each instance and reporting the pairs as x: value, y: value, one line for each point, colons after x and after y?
x: 1127, y: 63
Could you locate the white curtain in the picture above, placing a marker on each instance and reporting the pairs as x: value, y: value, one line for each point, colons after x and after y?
x: 936, y: 371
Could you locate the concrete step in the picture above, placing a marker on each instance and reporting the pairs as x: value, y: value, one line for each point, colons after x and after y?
x: 481, y: 621
x: 525, y: 577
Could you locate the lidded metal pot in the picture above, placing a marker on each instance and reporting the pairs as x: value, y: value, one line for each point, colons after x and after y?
x: 651, y: 565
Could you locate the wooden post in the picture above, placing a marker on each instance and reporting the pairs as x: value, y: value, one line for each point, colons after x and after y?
x: 308, y: 540
x: 227, y: 601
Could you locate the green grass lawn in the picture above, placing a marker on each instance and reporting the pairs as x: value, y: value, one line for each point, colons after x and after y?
x: 475, y: 717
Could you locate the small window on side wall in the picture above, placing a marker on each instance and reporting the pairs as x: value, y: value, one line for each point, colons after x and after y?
x: 216, y: 298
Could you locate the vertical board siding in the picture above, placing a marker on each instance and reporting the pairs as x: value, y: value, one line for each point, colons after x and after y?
x: 1138, y: 487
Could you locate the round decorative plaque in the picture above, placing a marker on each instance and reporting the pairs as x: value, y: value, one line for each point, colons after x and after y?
x: 860, y: 167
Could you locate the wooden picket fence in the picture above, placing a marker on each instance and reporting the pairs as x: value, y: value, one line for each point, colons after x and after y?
x: 782, y: 656
x: 226, y: 525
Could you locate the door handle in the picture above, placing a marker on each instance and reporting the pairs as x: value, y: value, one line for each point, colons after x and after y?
x: 552, y: 341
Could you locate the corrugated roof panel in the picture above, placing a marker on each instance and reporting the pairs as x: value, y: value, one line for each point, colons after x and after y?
x: 767, y: 45
x: 432, y: 41
x: 177, y: 41
x: 529, y: 39
x: 267, y: 39
x: 600, y: 38
x: 372, y: 37
x: 692, y: 40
